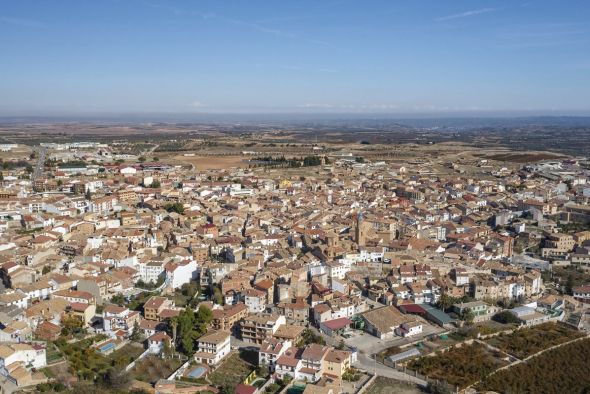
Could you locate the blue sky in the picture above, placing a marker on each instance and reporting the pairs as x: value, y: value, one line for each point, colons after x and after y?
x: 61, y: 57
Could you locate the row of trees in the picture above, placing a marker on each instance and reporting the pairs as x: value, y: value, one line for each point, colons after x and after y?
x: 283, y: 162
x: 188, y: 327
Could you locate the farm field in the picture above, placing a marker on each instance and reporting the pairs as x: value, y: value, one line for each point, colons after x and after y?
x: 562, y: 370
x: 212, y: 162
x: 232, y: 372
x: 459, y: 366
x: 525, y: 342
x: 151, y: 368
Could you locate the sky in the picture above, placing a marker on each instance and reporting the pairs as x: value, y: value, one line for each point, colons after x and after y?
x: 322, y: 56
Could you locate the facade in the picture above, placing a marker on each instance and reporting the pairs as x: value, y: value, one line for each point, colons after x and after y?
x: 213, y: 347
x: 257, y: 328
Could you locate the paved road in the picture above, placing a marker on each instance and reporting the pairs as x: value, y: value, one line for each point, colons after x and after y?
x: 38, y: 171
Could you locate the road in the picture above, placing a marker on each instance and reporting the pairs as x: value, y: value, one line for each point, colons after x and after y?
x: 38, y: 171
x: 367, y: 345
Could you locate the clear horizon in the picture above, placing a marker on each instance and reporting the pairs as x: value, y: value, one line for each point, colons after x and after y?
x: 398, y: 59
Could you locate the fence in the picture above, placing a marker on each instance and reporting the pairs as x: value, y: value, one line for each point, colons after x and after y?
x: 141, y: 356
x: 403, y: 369
x: 367, y: 384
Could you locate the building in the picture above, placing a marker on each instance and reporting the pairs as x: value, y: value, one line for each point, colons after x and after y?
x: 156, y: 342
x: 382, y: 322
x: 582, y: 293
x: 154, y: 307
x: 213, y: 347
x: 257, y: 328
x: 480, y: 309
x: 270, y: 350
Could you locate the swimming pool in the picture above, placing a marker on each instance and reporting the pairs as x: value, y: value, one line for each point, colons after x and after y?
x: 106, y: 347
x: 197, y: 372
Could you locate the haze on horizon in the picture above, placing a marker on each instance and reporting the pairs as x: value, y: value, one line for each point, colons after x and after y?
x: 334, y: 56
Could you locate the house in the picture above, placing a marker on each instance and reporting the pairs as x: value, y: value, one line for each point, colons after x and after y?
x: 255, y: 300
x: 48, y: 331
x: 582, y: 293
x: 528, y: 316
x: 408, y: 329
x: 480, y: 309
x: 17, y: 360
x: 82, y: 311
x: 116, y: 318
x: 229, y: 316
x: 336, y: 326
x: 154, y: 307
x: 382, y: 322
x: 270, y: 350
x: 213, y: 347
x: 256, y: 328
x: 157, y: 342
x: 336, y: 363
x: 181, y: 273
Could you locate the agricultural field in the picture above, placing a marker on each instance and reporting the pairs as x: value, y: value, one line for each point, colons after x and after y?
x: 562, y: 370
x: 525, y: 342
x: 212, y: 162
x: 232, y: 372
x: 459, y: 366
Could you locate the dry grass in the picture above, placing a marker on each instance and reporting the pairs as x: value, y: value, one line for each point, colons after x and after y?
x: 212, y: 162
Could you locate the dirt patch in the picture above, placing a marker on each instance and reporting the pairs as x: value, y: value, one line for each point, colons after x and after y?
x: 212, y: 162
x: 383, y: 385
x: 518, y: 157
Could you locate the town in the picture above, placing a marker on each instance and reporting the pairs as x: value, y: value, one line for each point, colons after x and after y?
x: 253, y: 264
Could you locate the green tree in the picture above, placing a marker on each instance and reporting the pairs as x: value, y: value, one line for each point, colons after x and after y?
x: 141, y: 159
x: 445, y: 302
x: 136, y: 333
x: 467, y: 315
x: 174, y: 207
x: 46, y: 270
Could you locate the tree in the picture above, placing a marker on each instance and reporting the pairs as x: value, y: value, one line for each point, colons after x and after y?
x: 217, y: 296
x: 174, y: 207
x: 156, y: 184
x: 308, y: 337
x: 70, y: 325
x: 136, y: 333
x: 46, y: 270
x: 116, y: 379
x: 156, y: 159
x: 506, y: 317
x: 569, y: 284
x: 445, y: 302
x: 190, y: 326
x: 467, y: 315
x: 88, y: 195
x: 141, y: 159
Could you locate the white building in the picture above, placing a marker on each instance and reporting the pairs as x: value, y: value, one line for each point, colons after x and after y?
x: 213, y: 347
x: 181, y: 273
x: 270, y: 350
x: 255, y: 300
